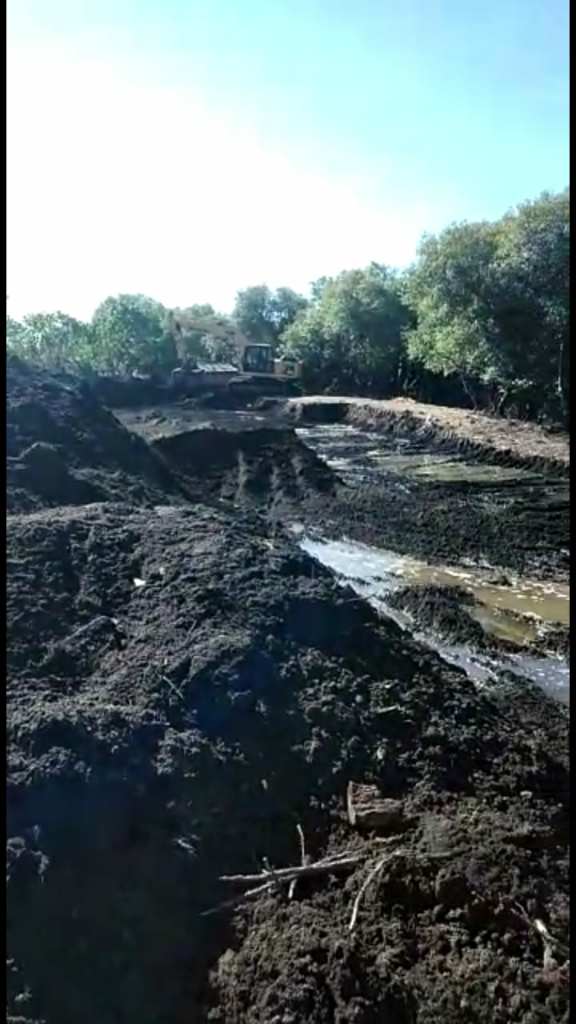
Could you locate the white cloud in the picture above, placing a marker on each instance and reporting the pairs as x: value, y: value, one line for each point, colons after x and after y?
x: 114, y: 186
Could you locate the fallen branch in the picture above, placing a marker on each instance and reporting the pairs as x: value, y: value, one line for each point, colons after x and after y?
x: 321, y: 867
x: 227, y: 904
x: 550, y: 942
x: 385, y: 859
x: 304, y: 860
x: 367, y: 881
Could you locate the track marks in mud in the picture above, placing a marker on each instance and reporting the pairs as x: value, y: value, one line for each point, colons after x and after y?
x: 503, y: 442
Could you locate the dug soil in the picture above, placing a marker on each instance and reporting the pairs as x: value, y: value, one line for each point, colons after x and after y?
x: 265, y: 464
x: 190, y: 696
x: 521, y: 525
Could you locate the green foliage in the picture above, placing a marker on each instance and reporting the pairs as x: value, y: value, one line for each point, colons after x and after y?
x: 263, y: 314
x: 351, y: 334
x: 53, y: 340
x: 491, y: 302
x: 202, y: 345
x: 131, y: 335
x: 482, y: 315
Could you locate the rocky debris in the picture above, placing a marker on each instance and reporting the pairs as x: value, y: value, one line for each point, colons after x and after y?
x: 368, y: 810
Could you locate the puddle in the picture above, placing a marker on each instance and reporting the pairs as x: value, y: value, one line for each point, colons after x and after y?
x: 444, y: 468
x: 380, y: 570
x: 356, y: 454
x: 374, y: 573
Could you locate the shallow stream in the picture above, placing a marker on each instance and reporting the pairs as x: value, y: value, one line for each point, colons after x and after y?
x: 510, y: 608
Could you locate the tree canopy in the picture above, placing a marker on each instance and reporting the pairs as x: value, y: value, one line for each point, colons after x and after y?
x: 482, y: 316
x: 351, y: 333
x: 131, y: 335
x: 491, y: 302
x: 263, y: 315
x: 51, y: 340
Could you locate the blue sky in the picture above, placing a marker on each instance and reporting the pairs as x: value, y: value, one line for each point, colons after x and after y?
x: 186, y: 149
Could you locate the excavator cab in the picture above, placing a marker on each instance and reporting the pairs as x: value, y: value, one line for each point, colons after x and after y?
x: 257, y: 359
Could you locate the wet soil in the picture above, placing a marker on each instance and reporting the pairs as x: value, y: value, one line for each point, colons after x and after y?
x: 185, y: 687
x: 455, y: 615
x: 403, y: 491
x: 506, y: 442
x: 518, y: 523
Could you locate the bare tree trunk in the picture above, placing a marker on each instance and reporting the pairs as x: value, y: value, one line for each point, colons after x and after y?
x: 560, y: 381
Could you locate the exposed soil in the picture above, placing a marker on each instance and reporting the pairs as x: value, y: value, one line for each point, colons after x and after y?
x: 519, y: 524
x: 184, y: 688
x: 263, y: 463
x: 449, y: 612
x: 520, y: 527
x: 64, y: 448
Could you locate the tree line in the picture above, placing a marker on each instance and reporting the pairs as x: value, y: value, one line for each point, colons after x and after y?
x: 481, y: 318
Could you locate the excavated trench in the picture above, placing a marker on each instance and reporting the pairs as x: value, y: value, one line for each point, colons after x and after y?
x: 190, y: 695
x: 381, y: 509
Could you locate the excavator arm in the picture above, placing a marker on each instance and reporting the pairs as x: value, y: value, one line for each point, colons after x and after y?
x: 252, y: 359
x: 216, y: 327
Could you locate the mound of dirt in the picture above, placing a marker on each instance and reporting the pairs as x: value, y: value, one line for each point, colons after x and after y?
x: 64, y: 448
x: 189, y: 696
x: 448, y: 612
x: 182, y: 692
x: 265, y: 464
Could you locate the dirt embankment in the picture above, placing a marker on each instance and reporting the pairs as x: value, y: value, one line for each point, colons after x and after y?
x: 64, y: 448
x: 185, y: 688
x: 520, y: 524
x: 521, y: 528
x: 263, y: 463
x: 454, y: 615
x: 506, y: 442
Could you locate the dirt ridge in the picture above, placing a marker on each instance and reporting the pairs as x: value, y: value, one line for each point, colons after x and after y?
x: 503, y: 442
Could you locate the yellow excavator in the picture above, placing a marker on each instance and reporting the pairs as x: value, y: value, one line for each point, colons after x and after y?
x: 254, y: 367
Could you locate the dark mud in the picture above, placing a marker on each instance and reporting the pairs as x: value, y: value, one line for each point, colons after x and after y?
x: 184, y: 688
x: 199, y: 390
x: 264, y: 464
x: 501, y: 442
x: 520, y: 525
x: 446, y: 611
x: 453, y: 614
x: 64, y: 448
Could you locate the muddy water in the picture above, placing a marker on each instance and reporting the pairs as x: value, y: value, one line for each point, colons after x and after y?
x: 382, y: 570
x: 375, y: 573
x: 515, y: 609
x: 360, y: 456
